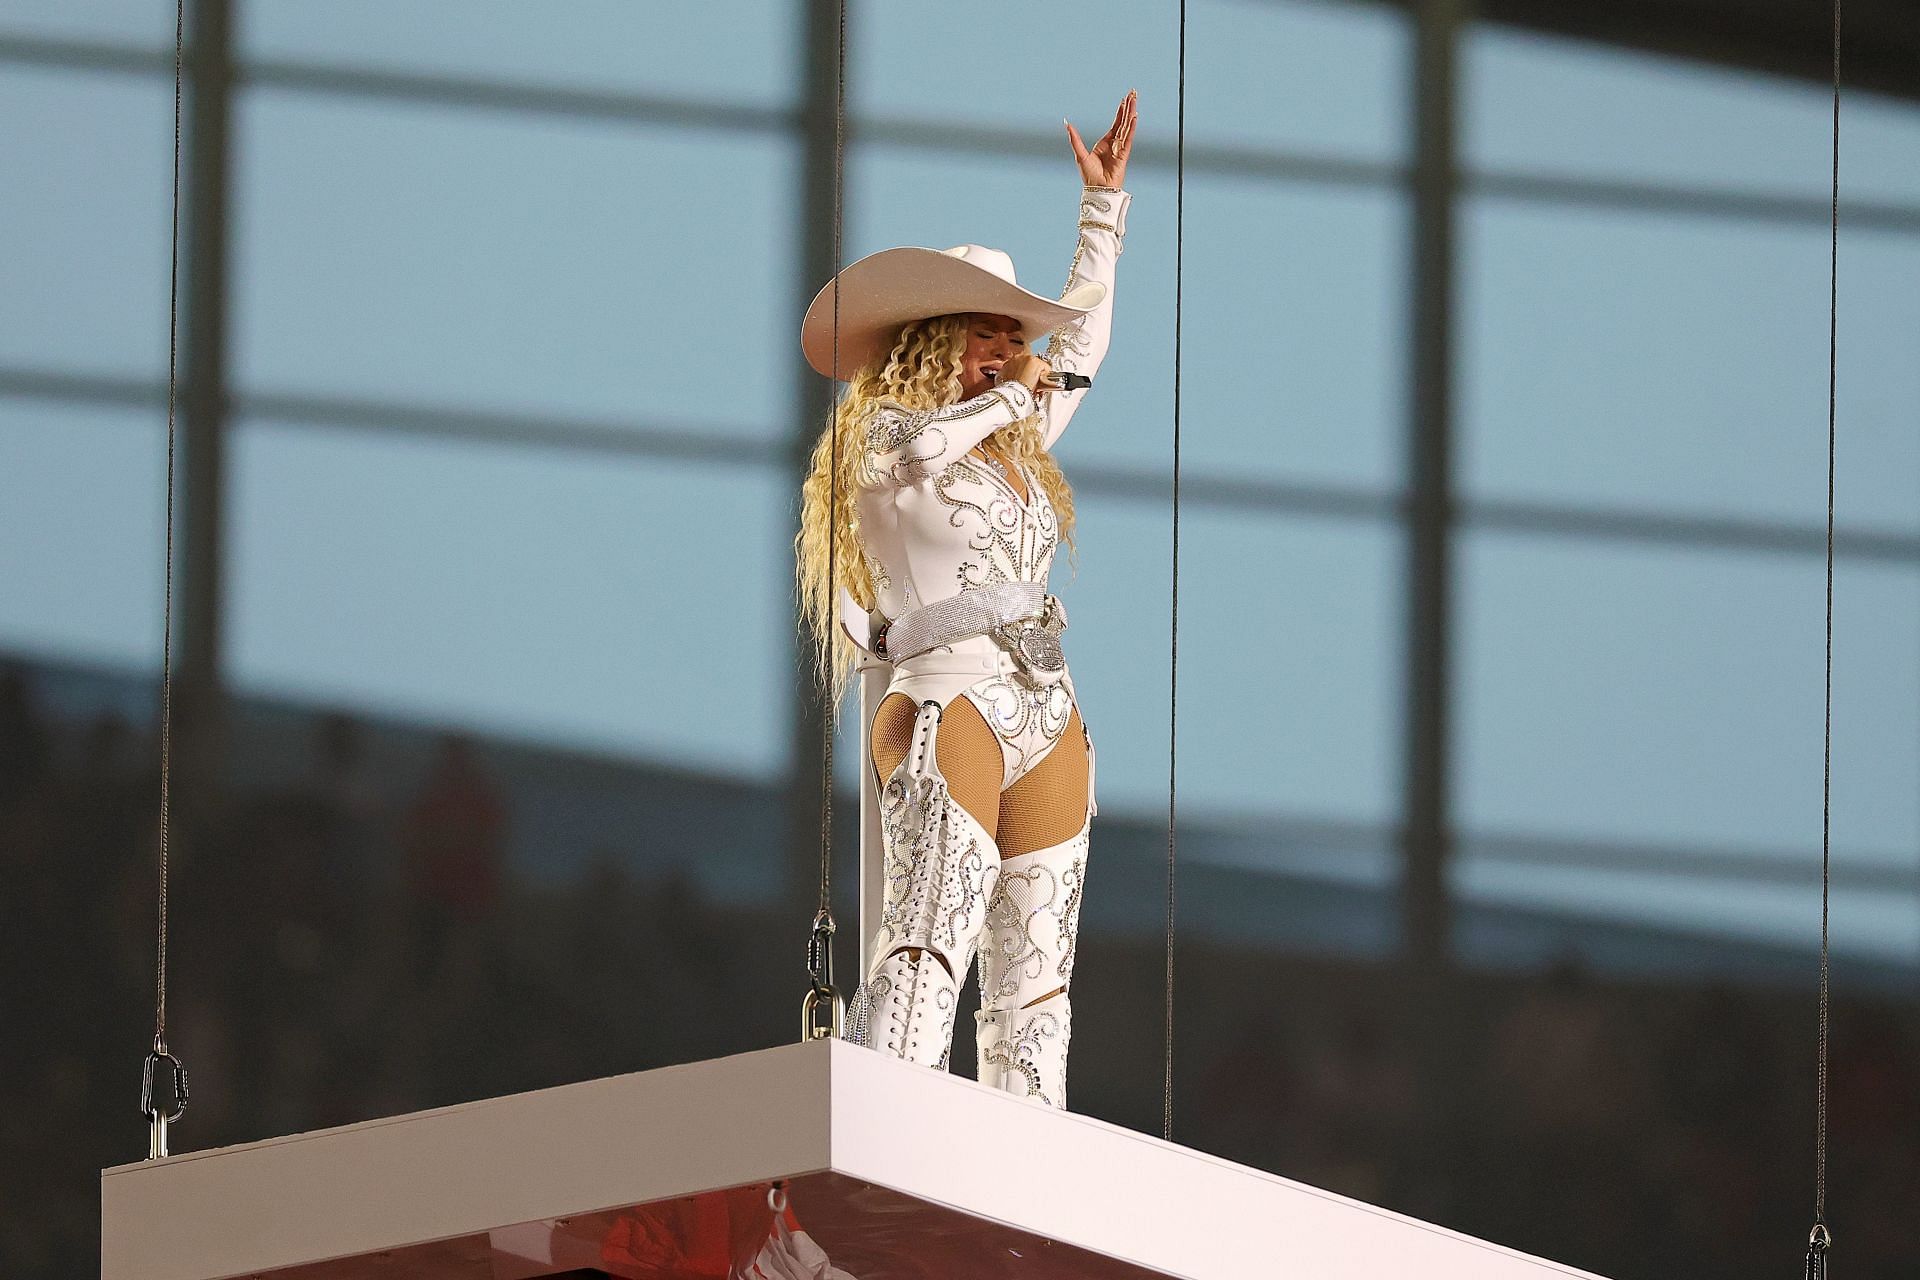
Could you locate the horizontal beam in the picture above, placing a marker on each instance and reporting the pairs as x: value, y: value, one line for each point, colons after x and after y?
x: 1260, y: 843
x: 1851, y: 873
x: 1694, y: 202
x: 739, y: 446
x: 1202, y: 160
x: 1790, y: 38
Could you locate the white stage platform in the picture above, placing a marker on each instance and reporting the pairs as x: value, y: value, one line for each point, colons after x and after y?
x: 894, y: 1170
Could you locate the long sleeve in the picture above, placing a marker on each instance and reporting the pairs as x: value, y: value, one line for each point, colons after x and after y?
x: 905, y: 447
x: 1080, y: 346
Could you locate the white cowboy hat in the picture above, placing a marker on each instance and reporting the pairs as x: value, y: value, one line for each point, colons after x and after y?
x: 894, y: 287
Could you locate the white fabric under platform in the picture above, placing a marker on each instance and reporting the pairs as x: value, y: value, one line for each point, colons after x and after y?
x: 543, y: 1183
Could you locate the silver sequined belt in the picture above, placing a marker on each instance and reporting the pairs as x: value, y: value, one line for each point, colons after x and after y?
x: 1019, y: 616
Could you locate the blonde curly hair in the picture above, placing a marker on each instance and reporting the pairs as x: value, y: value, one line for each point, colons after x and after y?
x: 920, y: 373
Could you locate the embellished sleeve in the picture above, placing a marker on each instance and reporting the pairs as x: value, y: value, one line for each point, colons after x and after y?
x: 906, y: 446
x: 1081, y: 344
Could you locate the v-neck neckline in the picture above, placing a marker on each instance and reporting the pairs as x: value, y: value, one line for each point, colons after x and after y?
x: 1002, y: 470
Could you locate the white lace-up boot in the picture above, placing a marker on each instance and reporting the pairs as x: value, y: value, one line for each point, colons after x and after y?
x: 1026, y: 968
x: 940, y: 868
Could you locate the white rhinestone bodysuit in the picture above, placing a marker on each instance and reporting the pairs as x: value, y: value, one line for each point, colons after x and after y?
x: 936, y: 519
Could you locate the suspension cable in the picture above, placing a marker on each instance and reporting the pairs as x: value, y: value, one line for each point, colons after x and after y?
x: 1173, y: 628
x: 1820, y: 1239
x: 820, y: 1012
x: 158, y: 1118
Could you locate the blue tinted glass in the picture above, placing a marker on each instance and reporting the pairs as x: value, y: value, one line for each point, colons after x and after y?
x: 1293, y: 346
x: 1538, y: 104
x: 1879, y: 149
x: 1279, y: 76
x: 1674, y: 698
x: 115, y: 21
x: 551, y: 596
x: 82, y: 532
x: 730, y: 51
x: 1290, y: 664
x: 458, y: 259
x: 1298, y: 75
x: 1307, y: 737
x: 1876, y: 925
x: 1654, y: 362
x: 91, y: 296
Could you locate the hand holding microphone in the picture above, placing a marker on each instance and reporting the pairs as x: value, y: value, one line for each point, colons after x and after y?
x: 1038, y: 376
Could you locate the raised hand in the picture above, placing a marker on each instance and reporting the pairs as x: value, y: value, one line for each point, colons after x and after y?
x: 1105, y: 165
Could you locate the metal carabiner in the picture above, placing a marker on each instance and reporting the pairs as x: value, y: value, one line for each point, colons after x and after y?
x: 160, y: 1054
x: 157, y: 1121
x: 821, y: 1007
x: 1819, y: 1240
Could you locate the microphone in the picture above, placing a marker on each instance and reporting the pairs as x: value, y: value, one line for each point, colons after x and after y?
x: 1067, y: 381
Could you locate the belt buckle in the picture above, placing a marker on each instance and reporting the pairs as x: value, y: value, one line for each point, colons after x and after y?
x: 1034, y: 646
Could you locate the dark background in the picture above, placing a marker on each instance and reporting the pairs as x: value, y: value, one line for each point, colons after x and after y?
x: 1503, y: 503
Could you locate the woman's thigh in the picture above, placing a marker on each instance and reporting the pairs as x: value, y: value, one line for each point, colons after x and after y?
x: 964, y: 746
x: 1047, y: 805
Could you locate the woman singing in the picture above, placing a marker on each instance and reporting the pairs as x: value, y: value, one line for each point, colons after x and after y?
x: 935, y: 488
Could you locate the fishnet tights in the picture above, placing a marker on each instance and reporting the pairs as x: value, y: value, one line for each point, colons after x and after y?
x: 1046, y: 805
x: 964, y: 746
